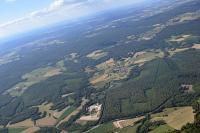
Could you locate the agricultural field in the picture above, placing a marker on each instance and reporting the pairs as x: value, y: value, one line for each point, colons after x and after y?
x: 51, y: 119
x: 96, y: 55
x: 183, y: 40
x: 113, y: 70
x: 174, y: 117
x: 130, y: 129
x: 52, y: 116
x: 31, y: 130
x: 108, y: 127
x: 34, y: 77
x: 162, y: 129
x: 73, y: 113
x: 66, y: 113
x: 127, y: 122
x: 16, y: 130
x: 157, y: 28
x: 26, y: 123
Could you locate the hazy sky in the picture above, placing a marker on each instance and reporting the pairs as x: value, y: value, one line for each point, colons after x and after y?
x: 21, y: 15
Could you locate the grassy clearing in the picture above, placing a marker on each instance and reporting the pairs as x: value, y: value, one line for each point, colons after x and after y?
x: 162, y: 129
x: 127, y: 122
x: 74, y: 83
x: 178, y: 50
x: 104, y: 128
x: 66, y: 113
x: 183, y: 42
x: 179, y: 38
x: 25, y: 123
x: 148, y: 56
x: 16, y: 130
x: 131, y: 129
x: 53, y: 116
x: 174, y: 116
x: 196, y: 46
x: 96, y: 55
x: 185, y: 17
x: 31, y: 130
x: 49, y: 120
x: 36, y: 76
x: 47, y: 108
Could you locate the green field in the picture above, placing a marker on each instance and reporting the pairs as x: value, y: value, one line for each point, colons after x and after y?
x: 104, y: 128
x: 132, y: 129
x: 162, y: 129
x: 109, y: 128
x: 16, y: 130
x: 66, y: 113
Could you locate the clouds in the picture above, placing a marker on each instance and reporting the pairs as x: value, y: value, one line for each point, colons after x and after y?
x: 58, y: 10
x: 10, y: 1
x: 56, y: 5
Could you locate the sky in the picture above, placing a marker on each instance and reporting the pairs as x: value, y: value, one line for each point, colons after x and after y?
x: 18, y: 16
